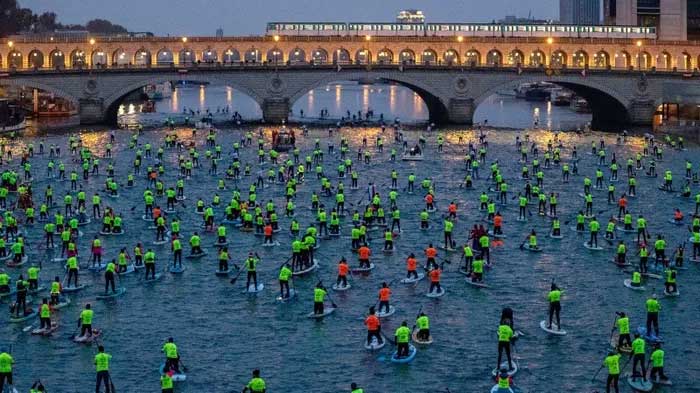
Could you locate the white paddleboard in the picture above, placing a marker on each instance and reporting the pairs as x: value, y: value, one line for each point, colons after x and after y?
x: 553, y: 330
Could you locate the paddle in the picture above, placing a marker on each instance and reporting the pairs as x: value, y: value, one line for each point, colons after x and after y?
x: 596, y: 373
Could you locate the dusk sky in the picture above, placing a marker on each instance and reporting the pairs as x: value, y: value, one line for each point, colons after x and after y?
x: 239, y: 17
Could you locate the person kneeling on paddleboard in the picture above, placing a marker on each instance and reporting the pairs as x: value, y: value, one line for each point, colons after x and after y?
x: 423, y: 324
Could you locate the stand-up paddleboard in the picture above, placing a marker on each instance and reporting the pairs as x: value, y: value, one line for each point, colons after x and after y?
x: 523, y: 219
x: 273, y: 244
x: 176, y: 377
x: 176, y: 269
x: 496, y: 389
x: 497, y: 236
x: 628, y: 284
x: 340, y: 288
x: 73, y: 288
x: 252, y: 289
x: 533, y: 249
x: 375, y: 345
x: 45, y: 331
x: 195, y: 256
x: 639, y: 384
x: 573, y: 229
x: 87, y: 221
x: 307, y: 270
x: 622, y: 229
x: 435, y: 293
x: 623, y: 349
x: 160, y: 242
x: 389, y: 250
x: 406, y: 359
x: 504, y: 364
x: 558, y: 237
x: 86, y: 339
x: 676, y: 293
x: 62, y: 303
x: 362, y: 269
x: 590, y: 247
x: 111, y: 295
x: 220, y: 244
x: 146, y: 218
x: 157, y: 277
x: 429, y: 227
x: 652, y: 275
x: 129, y: 269
x: 659, y: 381
x: 326, y: 311
x: 478, y: 284
x: 414, y: 336
x: 552, y: 330
x: 652, y: 338
x: 29, y: 315
x: 292, y: 295
x: 384, y: 314
x: 21, y: 262
x: 412, y: 279
x: 675, y: 222
x: 97, y: 268
x: 223, y: 272
x: 620, y: 265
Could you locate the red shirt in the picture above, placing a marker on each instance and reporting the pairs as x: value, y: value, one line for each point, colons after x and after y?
x: 372, y: 322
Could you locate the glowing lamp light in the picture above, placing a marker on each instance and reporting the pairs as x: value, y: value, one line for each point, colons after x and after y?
x: 184, y: 39
x: 276, y: 38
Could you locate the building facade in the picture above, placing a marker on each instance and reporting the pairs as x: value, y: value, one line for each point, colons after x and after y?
x: 410, y: 16
x: 579, y: 12
x: 673, y: 19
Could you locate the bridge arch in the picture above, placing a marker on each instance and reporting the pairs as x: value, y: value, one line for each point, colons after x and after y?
x: 231, y: 56
x: 608, y: 106
x: 559, y: 59
x: 664, y: 61
x: 57, y: 59
x: 142, y: 57
x: 437, y: 107
x: 36, y: 59
x: 472, y: 57
x: 77, y: 58
x: 252, y: 55
x: 407, y: 56
x: 33, y: 84
x: 428, y: 57
x: 113, y: 101
x: 186, y: 56
x: 14, y: 59
x: 274, y: 55
x: 341, y: 56
x: 451, y: 56
x: 363, y: 56
x: 601, y: 59
x: 297, y: 56
x: 385, y: 56
x: 494, y: 58
x: 580, y: 59
x: 516, y: 57
x: 537, y: 58
x: 320, y: 56
x: 623, y: 59
x: 165, y: 57
x: 686, y: 61
x: 120, y: 57
x: 98, y: 58
x: 210, y: 56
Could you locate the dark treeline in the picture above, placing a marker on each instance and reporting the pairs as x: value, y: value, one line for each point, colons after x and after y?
x: 14, y: 19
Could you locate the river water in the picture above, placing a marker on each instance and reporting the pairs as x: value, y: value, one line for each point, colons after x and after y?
x: 223, y: 334
x: 340, y: 98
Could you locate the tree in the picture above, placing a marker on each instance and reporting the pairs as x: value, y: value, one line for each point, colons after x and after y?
x: 46, y: 22
x: 102, y: 26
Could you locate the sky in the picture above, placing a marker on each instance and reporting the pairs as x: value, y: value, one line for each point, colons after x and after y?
x: 248, y: 17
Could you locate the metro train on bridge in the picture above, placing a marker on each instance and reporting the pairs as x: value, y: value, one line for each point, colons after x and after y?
x: 458, y: 29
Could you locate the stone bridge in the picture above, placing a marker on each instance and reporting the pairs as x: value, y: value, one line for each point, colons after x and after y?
x: 452, y: 94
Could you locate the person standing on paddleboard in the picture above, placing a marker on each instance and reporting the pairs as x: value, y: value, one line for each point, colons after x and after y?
x: 319, y: 295
x: 554, y: 298
x: 343, y: 270
x: 623, y: 325
x: 657, y: 364
x: 423, y: 324
x: 102, y: 367
x: 612, y: 361
x: 85, y: 321
x: 6, y: 364
x: 653, y: 308
x: 402, y: 334
x: 505, y: 335
x: 172, y: 357
x: 284, y: 275
x: 384, y: 296
x: 373, y: 327
x: 638, y: 355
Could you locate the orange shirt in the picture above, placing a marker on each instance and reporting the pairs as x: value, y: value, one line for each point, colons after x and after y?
x: 429, y: 198
x: 384, y: 294
x: 435, y: 275
x: 452, y: 208
x: 364, y: 252
x: 411, y: 264
x: 622, y: 202
x: 156, y: 212
x: 678, y: 215
x: 372, y: 322
x: 343, y: 269
x: 430, y: 252
x: 268, y: 230
x: 497, y: 221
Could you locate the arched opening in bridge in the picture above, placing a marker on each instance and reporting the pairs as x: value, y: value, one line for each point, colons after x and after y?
x: 363, y: 56
x: 664, y: 61
x: 36, y: 59
x: 558, y: 59
x: 142, y: 58
x: 157, y: 101
x: 297, y: 56
x: 551, y: 104
x: 601, y: 59
x: 57, y: 59
x: 319, y: 56
x: 516, y: 57
x: 231, y: 56
x: 450, y: 57
x: 275, y: 56
x: 209, y: 56
x: 14, y: 59
x: 428, y: 57
x: 77, y: 59
x: 473, y: 58
x: 623, y: 60
x: 385, y: 56
x: 686, y: 63
x: 253, y: 55
x: 368, y: 101
x: 165, y: 57
x: 99, y: 58
x: 341, y: 56
x: 120, y: 58
x: 494, y: 58
x: 407, y: 56
x: 537, y: 58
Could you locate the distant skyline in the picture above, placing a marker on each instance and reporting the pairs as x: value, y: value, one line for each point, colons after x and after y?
x: 239, y: 17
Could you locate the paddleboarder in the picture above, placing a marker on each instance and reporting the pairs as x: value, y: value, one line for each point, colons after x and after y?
x: 612, y: 362
x: 374, y: 327
x: 554, y: 297
x: 102, y: 360
x: 402, y: 336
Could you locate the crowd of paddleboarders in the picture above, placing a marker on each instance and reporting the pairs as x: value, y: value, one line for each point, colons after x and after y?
x: 68, y: 223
